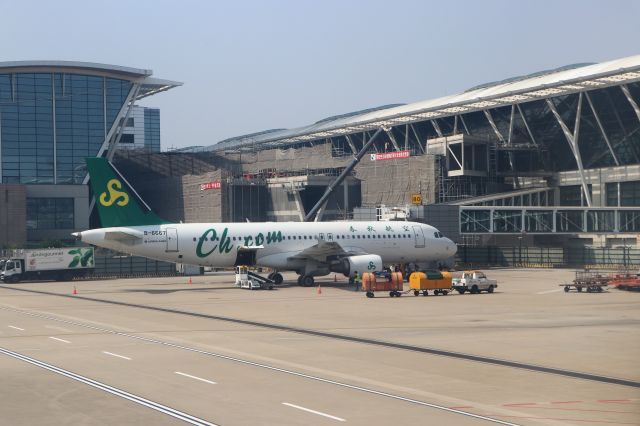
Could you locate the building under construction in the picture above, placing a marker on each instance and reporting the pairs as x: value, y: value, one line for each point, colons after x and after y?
x: 545, y: 158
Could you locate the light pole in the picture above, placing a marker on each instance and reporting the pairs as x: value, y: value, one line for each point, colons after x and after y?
x: 520, y: 250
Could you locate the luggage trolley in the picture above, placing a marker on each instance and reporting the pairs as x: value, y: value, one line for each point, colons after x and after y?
x: 382, y: 281
x: 592, y: 282
x: 436, y: 281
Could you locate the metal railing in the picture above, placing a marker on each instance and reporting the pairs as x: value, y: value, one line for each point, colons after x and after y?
x: 549, y: 257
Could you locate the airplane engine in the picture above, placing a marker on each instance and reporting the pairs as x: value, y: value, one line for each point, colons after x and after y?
x: 362, y: 263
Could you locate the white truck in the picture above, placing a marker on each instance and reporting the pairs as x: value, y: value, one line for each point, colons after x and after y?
x: 474, y: 282
x: 61, y: 264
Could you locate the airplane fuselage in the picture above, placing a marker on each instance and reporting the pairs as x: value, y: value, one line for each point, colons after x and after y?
x: 275, y: 244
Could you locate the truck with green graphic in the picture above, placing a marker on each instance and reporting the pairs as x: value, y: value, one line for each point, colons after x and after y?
x: 60, y: 264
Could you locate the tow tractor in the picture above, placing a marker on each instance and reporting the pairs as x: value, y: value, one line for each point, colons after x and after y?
x: 247, y: 279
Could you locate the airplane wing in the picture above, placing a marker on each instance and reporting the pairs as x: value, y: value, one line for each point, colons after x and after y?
x: 325, y: 249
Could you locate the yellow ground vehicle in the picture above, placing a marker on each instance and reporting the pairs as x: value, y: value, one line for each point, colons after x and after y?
x: 438, y: 282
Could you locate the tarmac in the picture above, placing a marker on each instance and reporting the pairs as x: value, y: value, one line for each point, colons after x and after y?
x: 163, y: 351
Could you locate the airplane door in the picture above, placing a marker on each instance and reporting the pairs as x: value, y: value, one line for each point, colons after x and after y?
x: 172, y: 239
x: 329, y: 236
x: 419, y: 236
x: 321, y: 236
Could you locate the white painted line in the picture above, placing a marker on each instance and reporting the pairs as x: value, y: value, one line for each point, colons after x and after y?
x: 194, y: 377
x: 59, y: 340
x: 314, y: 412
x: 265, y: 366
x: 114, y: 391
x: 15, y: 328
x: 550, y: 291
x: 116, y: 355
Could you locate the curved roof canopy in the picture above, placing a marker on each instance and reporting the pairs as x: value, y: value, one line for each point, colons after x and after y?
x: 149, y: 85
x: 543, y: 85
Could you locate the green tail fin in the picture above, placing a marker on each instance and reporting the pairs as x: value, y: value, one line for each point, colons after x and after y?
x: 118, y: 203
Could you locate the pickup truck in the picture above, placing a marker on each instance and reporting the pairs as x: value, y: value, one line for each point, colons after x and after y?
x: 473, y: 282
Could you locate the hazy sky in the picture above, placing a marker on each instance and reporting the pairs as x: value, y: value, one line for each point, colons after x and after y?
x: 249, y: 66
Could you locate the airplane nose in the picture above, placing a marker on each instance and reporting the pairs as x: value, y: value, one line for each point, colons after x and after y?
x: 77, y: 235
x: 451, y: 247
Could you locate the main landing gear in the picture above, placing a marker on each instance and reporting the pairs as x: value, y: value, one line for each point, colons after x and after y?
x: 306, y: 280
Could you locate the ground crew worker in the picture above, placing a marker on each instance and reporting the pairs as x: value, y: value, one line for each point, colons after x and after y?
x: 357, y: 280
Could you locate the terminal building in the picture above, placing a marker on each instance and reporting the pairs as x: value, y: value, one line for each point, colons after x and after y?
x: 551, y: 158
x: 54, y: 114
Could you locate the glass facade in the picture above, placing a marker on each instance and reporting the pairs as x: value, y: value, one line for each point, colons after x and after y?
x: 623, y: 194
x: 152, y: 129
x: 50, y: 213
x: 50, y: 122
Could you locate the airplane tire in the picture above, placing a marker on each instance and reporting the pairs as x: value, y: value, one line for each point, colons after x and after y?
x: 277, y: 278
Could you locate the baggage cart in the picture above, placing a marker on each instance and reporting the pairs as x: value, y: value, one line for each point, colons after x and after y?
x: 435, y: 281
x: 383, y: 281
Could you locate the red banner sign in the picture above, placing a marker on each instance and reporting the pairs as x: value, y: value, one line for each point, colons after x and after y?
x: 390, y: 155
x: 210, y: 185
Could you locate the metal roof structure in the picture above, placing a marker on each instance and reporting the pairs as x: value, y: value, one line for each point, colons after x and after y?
x: 514, y: 91
x: 148, y: 85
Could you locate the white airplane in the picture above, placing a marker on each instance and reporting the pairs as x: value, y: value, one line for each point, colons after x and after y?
x: 309, y: 248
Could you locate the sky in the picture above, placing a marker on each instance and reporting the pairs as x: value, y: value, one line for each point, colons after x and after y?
x: 249, y: 66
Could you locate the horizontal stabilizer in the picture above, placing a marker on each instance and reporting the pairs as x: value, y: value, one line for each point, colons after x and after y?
x: 250, y: 248
x: 123, y: 235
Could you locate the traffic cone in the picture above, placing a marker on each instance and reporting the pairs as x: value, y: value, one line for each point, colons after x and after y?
x: 319, y: 289
x: 74, y: 290
x: 190, y: 280
x: 335, y: 278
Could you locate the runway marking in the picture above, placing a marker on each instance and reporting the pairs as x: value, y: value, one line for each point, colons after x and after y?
x: 614, y: 401
x: 565, y: 402
x: 116, y: 355
x: 355, y: 339
x: 314, y: 412
x: 268, y: 367
x: 15, y: 328
x: 59, y: 340
x: 112, y: 390
x: 194, y: 377
x: 550, y: 291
